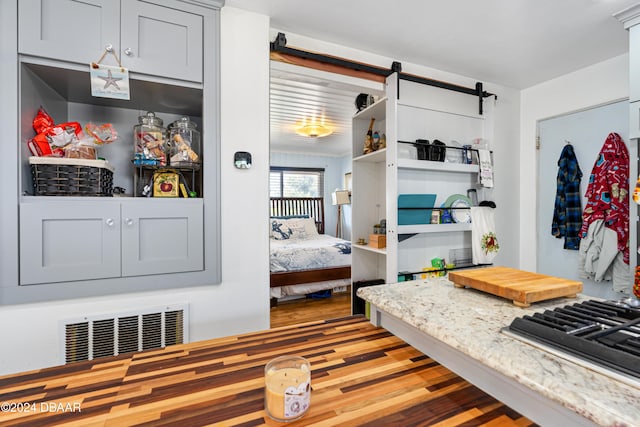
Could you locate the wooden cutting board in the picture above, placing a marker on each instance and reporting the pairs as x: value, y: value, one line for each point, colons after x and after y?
x: 522, y: 287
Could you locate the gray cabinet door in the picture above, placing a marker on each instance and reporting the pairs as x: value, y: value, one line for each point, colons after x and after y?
x: 68, y: 241
x: 162, y: 236
x: 162, y: 41
x: 71, y: 30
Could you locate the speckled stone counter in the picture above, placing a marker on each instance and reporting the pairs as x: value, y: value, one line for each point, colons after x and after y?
x: 461, y: 329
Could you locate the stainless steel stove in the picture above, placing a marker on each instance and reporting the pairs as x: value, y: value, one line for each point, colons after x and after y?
x: 604, y: 333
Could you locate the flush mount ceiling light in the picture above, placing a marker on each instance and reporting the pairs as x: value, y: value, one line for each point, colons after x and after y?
x: 314, y: 130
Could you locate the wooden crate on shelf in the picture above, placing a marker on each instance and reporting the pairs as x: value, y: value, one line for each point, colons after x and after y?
x: 378, y: 241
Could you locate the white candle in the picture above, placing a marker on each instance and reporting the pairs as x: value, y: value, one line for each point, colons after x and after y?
x: 287, y: 388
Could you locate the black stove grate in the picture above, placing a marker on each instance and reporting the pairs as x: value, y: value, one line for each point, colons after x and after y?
x: 606, y: 333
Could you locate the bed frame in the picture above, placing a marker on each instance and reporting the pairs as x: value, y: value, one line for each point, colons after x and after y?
x: 314, y: 207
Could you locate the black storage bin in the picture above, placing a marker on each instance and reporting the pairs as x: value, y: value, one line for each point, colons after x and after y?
x: 422, y: 148
x: 438, y: 151
x: 359, y: 303
x: 53, y: 176
x: 435, y: 151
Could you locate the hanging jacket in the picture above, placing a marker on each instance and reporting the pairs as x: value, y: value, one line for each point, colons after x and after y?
x: 567, y: 211
x: 608, y: 192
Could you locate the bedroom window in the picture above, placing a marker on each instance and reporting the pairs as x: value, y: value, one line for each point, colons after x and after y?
x: 296, y: 182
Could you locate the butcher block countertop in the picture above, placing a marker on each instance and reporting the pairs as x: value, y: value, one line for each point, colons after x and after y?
x: 462, y: 329
x: 522, y: 287
x: 361, y: 375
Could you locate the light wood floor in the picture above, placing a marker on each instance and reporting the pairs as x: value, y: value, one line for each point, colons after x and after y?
x: 309, y: 309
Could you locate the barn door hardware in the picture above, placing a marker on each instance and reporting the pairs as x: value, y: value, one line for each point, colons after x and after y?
x: 279, y: 45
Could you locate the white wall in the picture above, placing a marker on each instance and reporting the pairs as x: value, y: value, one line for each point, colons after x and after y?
x: 594, y: 85
x: 241, y: 302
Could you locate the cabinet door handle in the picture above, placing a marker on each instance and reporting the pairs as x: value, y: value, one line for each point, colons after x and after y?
x: 128, y: 51
x: 110, y: 222
x: 129, y: 222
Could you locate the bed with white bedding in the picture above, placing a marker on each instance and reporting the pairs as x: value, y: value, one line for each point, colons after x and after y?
x: 304, y: 260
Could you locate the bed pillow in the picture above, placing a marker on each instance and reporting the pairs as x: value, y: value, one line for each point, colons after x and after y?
x: 310, y: 227
x: 285, y: 229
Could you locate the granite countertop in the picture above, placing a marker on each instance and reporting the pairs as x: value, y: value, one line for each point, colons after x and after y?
x: 471, y: 322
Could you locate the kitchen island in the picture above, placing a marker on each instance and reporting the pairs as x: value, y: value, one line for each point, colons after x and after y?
x: 361, y: 375
x: 461, y: 328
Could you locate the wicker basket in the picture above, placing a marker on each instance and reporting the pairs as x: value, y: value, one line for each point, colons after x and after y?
x: 54, y: 176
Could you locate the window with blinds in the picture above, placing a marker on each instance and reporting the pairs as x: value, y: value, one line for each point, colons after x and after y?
x: 296, y: 182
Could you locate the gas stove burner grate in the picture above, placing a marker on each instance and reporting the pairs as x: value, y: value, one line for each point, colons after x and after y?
x: 606, y: 333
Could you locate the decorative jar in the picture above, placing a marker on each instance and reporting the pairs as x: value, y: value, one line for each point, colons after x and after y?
x: 184, y: 143
x: 149, y: 140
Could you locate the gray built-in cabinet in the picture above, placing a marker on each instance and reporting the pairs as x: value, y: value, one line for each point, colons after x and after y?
x: 59, y: 247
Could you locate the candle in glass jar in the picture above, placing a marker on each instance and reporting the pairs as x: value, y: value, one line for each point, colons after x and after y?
x: 287, y: 388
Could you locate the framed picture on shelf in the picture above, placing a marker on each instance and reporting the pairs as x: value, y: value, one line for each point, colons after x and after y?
x: 165, y: 184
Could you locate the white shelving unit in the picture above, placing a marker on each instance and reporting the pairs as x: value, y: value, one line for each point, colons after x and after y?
x: 380, y: 177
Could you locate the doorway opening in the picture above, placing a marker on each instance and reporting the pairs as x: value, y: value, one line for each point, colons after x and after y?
x: 585, y: 132
x: 300, y: 96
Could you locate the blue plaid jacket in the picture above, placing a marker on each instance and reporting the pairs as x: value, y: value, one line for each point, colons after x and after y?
x: 567, y: 212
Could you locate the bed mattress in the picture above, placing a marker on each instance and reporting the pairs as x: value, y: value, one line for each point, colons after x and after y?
x: 320, y: 251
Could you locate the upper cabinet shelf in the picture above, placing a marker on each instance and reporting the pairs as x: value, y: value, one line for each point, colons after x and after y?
x: 71, y: 83
x: 375, y: 157
x: 433, y: 228
x: 429, y: 165
x: 377, y: 110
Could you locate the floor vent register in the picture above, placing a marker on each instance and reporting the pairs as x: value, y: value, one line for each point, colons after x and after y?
x: 89, y: 338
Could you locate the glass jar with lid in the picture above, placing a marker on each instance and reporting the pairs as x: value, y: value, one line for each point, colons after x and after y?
x: 184, y: 143
x: 149, y: 141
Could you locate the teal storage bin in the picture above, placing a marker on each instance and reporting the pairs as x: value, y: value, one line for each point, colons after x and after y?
x: 415, y: 208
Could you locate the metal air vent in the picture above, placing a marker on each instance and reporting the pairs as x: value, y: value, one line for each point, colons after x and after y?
x: 92, y: 337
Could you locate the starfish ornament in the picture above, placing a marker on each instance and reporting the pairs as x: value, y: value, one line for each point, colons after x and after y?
x: 110, y: 80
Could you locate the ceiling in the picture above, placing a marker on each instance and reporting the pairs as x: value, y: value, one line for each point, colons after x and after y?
x: 301, y: 96
x: 515, y: 43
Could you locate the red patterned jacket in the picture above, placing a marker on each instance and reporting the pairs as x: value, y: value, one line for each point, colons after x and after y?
x: 608, y: 192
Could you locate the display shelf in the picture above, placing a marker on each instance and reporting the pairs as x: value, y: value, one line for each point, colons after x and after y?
x: 408, y: 274
x: 428, y: 165
x: 433, y: 228
x: 375, y: 110
x: 381, y: 251
x: 189, y: 176
x: 148, y: 93
x: 377, y: 156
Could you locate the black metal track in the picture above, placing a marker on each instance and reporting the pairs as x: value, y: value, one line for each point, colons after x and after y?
x: 279, y: 45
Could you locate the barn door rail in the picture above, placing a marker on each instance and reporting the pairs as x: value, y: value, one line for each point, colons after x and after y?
x: 279, y: 45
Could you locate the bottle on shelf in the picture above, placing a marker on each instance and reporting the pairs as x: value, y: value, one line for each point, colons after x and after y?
x: 368, y: 140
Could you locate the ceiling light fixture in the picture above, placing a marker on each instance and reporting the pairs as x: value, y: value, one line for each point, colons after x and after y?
x: 314, y: 131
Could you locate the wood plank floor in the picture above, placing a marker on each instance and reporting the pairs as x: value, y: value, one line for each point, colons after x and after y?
x: 310, y: 309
